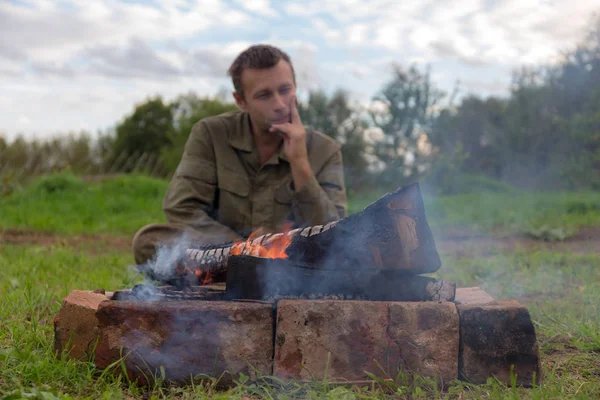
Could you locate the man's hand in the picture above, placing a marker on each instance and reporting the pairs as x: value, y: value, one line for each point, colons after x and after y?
x: 294, y: 145
x: 294, y: 134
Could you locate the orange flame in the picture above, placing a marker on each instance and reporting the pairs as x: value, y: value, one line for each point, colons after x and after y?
x: 204, y: 277
x: 272, y: 247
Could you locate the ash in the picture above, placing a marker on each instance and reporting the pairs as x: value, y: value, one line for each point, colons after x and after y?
x: 316, y: 296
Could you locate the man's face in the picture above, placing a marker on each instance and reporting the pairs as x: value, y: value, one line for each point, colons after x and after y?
x: 267, y: 95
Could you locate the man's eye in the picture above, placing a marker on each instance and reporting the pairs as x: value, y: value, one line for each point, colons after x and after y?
x: 285, y: 90
x: 262, y: 96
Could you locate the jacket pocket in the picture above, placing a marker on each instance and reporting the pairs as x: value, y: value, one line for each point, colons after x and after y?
x: 234, y: 208
x: 283, y: 209
x: 284, y: 193
x: 234, y: 183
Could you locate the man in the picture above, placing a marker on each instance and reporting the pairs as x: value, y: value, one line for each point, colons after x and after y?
x: 256, y: 168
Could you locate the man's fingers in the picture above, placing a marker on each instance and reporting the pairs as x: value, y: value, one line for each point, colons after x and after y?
x: 294, y: 109
x: 283, y: 128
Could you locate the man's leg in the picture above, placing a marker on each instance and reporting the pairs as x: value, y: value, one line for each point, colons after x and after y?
x: 150, y: 237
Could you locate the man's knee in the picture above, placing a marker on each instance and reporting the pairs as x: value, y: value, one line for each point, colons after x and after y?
x: 147, y: 240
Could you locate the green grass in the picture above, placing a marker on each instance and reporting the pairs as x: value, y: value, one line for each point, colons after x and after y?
x: 561, y: 290
x: 63, y: 203
x: 506, y: 213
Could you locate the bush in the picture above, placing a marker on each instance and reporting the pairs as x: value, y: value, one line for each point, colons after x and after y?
x: 58, y: 183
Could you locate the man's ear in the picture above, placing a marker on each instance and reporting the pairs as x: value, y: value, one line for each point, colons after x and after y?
x: 239, y: 100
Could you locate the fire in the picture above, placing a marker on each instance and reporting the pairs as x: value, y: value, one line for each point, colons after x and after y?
x: 272, y: 247
x: 204, y: 277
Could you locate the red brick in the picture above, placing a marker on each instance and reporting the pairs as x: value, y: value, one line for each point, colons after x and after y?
x: 472, y: 295
x: 75, y: 324
x: 187, y: 338
x: 339, y: 340
x: 495, y: 336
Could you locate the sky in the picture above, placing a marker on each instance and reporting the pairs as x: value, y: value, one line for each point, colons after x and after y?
x: 71, y: 66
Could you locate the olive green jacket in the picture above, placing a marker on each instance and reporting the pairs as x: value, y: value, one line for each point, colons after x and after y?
x: 221, y: 190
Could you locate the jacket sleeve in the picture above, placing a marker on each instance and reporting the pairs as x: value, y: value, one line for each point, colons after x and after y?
x: 323, y: 198
x: 190, y: 198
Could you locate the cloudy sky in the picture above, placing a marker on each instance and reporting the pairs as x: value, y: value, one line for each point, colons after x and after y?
x: 67, y: 66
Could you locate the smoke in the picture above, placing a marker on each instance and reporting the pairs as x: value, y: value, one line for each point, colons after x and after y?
x: 163, y: 265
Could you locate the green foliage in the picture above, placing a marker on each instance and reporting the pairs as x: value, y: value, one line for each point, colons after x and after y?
x: 145, y: 130
x: 58, y: 183
x: 545, y: 135
x: 188, y: 110
x: 8, y: 184
x: 406, y: 114
x: 335, y: 117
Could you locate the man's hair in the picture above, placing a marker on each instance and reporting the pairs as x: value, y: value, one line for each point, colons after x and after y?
x: 257, y: 56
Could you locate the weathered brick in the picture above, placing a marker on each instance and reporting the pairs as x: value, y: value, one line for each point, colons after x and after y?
x: 339, y: 340
x: 75, y: 324
x: 495, y: 335
x: 472, y: 295
x: 187, y: 338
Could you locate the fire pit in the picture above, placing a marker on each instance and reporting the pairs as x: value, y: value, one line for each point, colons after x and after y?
x: 339, y: 299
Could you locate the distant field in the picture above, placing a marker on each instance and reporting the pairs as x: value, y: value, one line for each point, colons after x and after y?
x: 66, y: 204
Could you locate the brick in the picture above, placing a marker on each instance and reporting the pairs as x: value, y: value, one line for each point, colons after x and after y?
x: 472, y: 295
x: 339, y: 340
x: 495, y: 335
x: 187, y: 338
x: 75, y: 324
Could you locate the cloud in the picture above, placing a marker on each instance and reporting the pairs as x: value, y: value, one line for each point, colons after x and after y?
x: 88, y: 62
x: 137, y: 60
x: 474, y: 32
x: 56, y: 31
x: 260, y: 7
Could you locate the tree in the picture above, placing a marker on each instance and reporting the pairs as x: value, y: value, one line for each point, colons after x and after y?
x: 187, y: 110
x: 404, y: 110
x: 146, y: 130
x: 335, y: 117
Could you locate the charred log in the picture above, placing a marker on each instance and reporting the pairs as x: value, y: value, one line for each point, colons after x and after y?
x: 390, y: 234
x: 273, y: 279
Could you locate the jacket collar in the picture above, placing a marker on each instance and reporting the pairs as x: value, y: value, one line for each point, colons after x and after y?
x: 241, y: 137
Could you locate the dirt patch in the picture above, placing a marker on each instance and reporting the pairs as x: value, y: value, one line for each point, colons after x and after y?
x: 465, y: 244
x: 449, y: 242
x: 92, y: 242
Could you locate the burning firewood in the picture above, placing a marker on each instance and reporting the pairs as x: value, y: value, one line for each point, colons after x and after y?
x: 391, y: 233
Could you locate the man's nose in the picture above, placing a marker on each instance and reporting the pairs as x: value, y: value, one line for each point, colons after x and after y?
x: 279, y: 102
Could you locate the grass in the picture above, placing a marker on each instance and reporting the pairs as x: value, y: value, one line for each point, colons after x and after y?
x: 63, y: 203
x: 561, y: 291
x: 531, y: 213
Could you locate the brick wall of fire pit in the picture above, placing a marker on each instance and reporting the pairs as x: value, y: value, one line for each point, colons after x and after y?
x: 472, y: 338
